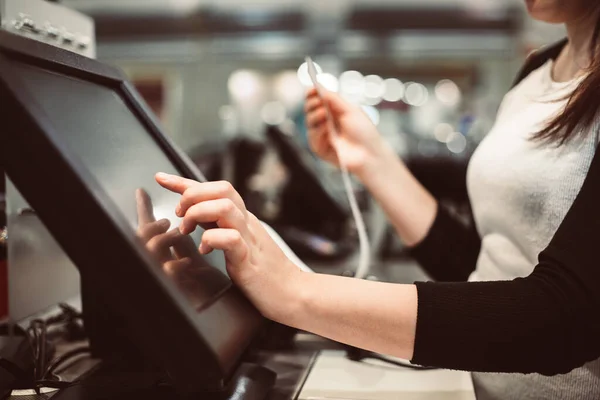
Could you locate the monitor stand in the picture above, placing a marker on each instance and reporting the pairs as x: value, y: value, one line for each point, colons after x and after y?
x: 127, y: 374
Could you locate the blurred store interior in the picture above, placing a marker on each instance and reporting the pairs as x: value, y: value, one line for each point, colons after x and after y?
x: 227, y: 80
x: 220, y: 74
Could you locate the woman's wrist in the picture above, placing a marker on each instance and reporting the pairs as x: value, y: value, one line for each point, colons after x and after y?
x: 291, y: 305
x: 300, y: 300
x: 380, y: 160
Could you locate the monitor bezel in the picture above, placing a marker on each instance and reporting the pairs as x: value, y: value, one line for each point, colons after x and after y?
x: 197, y: 357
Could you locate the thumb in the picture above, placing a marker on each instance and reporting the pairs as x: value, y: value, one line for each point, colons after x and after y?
x: 336, y: 103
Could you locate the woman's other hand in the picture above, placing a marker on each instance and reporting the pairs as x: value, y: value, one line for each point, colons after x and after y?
x: 358, y: 142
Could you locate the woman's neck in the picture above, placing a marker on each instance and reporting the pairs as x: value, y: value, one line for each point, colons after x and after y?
x: 576, y: 55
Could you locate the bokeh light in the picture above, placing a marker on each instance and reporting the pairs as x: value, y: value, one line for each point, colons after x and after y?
x: 374, y: 87
x: 352, y: 83
x: 245, y: 85
x: 329, y: 82
x: 416, y: 94
x: 394, y: 90
x: 442, y: 132
x: 273, y: 113
x: 448, y: 92
x: 456, y: 143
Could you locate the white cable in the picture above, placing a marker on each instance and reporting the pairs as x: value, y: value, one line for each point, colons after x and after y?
x: 285, y: 248
x: 362, y: 270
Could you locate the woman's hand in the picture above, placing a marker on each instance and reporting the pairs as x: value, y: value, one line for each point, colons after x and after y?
x: 358, y: 141
x: 254, y: 261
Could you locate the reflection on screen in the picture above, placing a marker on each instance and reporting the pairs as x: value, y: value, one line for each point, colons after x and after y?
x: 98, y: 126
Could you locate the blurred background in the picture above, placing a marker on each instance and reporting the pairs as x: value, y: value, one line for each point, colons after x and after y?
x: 216, y: 69
x: 227, y: 81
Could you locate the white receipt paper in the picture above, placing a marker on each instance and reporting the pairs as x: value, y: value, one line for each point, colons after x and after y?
x: 334, y: 377
x: 362, y: 271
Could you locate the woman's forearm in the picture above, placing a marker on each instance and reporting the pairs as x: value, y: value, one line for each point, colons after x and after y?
x: 376, y: 316
x: 408, y: 205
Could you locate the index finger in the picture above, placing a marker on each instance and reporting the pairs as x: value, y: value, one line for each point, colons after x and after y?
x: 174, y: 183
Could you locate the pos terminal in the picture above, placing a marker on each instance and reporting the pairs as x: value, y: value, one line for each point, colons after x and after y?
x: 82, y: 149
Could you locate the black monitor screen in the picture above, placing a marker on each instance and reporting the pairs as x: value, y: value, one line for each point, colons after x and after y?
x: 123, y: 157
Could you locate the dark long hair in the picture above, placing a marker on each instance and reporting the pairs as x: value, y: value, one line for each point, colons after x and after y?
x: 583, y: 105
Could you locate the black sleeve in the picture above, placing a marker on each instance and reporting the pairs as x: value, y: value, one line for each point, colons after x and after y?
x: 548, y: 322
x: 449, y: 251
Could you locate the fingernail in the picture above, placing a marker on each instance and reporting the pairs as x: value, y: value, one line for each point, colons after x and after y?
x: 178, y: 210
x: 182, y: 229
x: 205, y: 249
x: 163, y: 177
